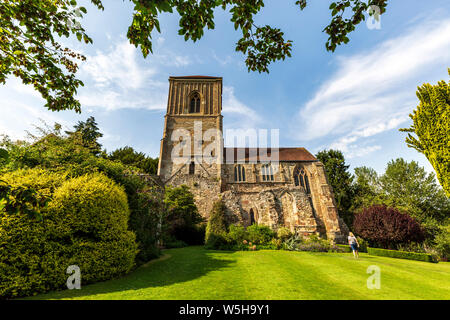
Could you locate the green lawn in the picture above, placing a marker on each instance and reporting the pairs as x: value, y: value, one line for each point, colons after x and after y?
x: 196, y: 273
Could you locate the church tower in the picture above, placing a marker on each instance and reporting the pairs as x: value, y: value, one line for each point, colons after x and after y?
x: 192, y: 143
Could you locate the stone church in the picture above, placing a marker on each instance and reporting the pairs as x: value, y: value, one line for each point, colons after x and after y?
x: 292, y: 191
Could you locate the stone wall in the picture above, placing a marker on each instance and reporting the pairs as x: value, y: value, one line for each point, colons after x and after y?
x: 276, y: 203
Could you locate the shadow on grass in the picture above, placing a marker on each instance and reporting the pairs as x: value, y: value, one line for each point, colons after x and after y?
x: 183, y: 265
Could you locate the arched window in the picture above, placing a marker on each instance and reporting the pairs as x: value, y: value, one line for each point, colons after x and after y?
x: 252, y: 217
x: 192, y: 168
x: 267, y: 172
x: 239, y: 173
x: 301, y: 179
x: 194, y: 106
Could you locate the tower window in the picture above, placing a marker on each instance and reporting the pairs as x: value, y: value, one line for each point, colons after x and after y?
x: 239, y: 173
x: 192, y: 168
x: 194, y: 106
x: 301, y: 179
x: 267, y: 172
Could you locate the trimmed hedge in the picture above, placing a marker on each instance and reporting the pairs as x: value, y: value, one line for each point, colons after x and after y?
x: 85, y: 224
x: 401, y: 254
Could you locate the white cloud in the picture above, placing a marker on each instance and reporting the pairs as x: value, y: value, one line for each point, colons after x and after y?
x: 247, y: 117
x: 374, y: 91
x: 117, y: 67
x: 117, y: 79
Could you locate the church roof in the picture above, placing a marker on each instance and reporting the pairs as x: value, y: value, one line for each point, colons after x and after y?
x: 195, y: 77
x: 284, y: 154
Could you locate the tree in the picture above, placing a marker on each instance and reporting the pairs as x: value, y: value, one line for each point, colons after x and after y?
x: 431, y: 124
x: 387, y: 227
x: 340, y: 180
x: 90, y: 133
x: 29, y: 50
x: 407, y: 186
x: 127, y: 155
x: 182, y: 213
x: 217, y: 224
x: 367, y: 188
x: 55, y: 151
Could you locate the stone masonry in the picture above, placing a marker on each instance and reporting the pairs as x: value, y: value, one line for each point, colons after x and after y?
x: 292, y: 192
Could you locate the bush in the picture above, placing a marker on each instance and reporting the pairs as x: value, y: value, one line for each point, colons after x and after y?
x: 85, y: 224
x: 387, y: 227
x: 145, y: 201
x: 362, y: 244
x: 442, y: 241
x: 218, y: 242
x: 217, y: 224
x: 260, y: 234
x: 237, y: 234
x: 401, y: 254
x: 283, y: 233
x: 182, y: 219
x: 55, y: 152
x: 175, y: 244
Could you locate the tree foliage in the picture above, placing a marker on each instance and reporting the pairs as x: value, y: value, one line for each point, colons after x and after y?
x: 90, y: 133
x: 52, y: 150
x: 29, y: 48
x: 340, y: 180
x: 181, y: 211
x: 431, y: 124
x: 85, y: 224
x: 128, y: 156
x: 409, y: 188
x: 406, y: 186
x: 387, y: 227
x: 217, y: 223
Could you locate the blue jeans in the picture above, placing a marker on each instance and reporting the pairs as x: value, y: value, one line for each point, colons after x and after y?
x: 354, y: 246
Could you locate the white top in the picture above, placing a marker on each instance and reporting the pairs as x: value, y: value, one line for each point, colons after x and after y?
x: 351, y: 239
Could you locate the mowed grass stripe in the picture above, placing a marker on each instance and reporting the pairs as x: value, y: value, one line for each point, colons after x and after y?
x: 196, y: 273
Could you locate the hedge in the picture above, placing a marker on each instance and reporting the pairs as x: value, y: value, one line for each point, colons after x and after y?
x: 401, y: 254
x: 85, y: 224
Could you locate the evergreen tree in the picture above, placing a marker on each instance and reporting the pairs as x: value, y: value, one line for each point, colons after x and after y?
x: 90, y: 133
x: 431, y: 124
x: 217, y: 224
x: 127, y: 155
x: 340, y: 180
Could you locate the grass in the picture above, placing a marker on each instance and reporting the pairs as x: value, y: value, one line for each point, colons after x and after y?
x: 196, y: 273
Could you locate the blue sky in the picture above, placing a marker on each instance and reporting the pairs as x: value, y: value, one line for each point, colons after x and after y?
x: 354, y: 99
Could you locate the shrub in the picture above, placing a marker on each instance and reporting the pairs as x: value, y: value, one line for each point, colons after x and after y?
x: 174, y: 243
x: 85, y: 224
x: 362, y: 244
x: 387, y: 227
x: 55, y: 152
x: 283, y: 233
x: 182, y: 216
x: 217, y: 223
x: 237, y: 234
x: 260, y: 234
x: 442, y: 241
x: 312, y: 243
x: 401, y: 254
x: 218, y: 242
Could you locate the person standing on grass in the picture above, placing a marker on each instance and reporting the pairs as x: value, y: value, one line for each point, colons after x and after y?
x: 353, y: 243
